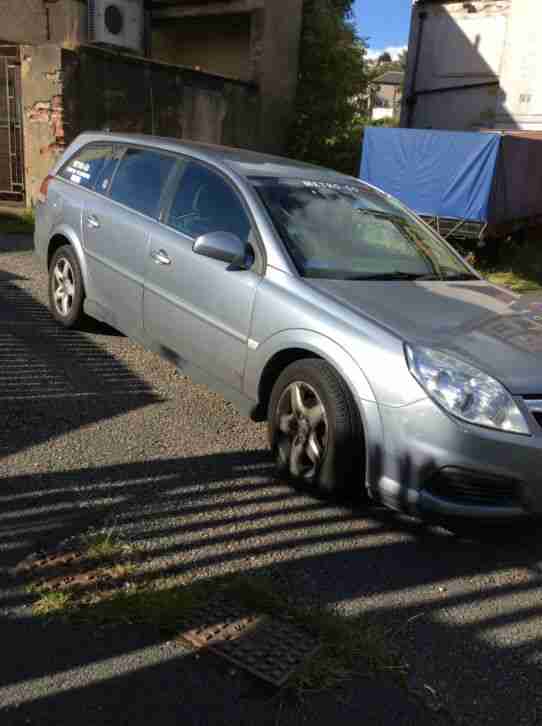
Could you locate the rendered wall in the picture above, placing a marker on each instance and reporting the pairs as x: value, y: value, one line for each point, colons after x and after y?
x: 36, y: 22
x: 521, y: 75
x: 216, y: 44
x: 452, y: 80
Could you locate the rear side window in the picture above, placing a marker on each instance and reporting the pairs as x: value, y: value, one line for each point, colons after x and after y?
x: 106, y: 173
x: 140, y: 180
x: 85, y: 167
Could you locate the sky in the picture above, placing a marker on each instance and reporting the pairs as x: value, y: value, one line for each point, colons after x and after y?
x: 385, y: 23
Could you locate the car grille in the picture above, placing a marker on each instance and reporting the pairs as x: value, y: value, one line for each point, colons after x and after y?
x: 466, y: 487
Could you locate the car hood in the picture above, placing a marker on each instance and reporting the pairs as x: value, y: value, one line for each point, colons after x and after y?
x: 496, y: 330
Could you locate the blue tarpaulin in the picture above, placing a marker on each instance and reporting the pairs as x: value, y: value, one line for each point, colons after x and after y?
x: 436, y: 173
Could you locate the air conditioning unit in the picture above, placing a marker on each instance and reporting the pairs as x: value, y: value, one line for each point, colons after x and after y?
x: 116, y: 23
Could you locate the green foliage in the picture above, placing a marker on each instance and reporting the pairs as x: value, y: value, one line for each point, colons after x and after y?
x: 17, y: 222
x: 402, y: 60
x: 332, y: 88
x: 386, y: 122
x: 519, y: 267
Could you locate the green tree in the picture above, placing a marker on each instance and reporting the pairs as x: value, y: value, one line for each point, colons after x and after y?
x: 332, y: 90
x: 402, y: 59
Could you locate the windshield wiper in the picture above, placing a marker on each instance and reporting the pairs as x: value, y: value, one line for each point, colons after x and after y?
x: 452, y: 275
x: 397, y: 275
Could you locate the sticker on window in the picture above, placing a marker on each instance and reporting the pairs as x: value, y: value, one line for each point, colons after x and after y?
x: 312, y: 184
x: 81, y: 165
x: 76, y: 173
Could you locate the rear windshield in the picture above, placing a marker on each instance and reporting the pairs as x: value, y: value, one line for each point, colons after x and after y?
x: 350, y: 232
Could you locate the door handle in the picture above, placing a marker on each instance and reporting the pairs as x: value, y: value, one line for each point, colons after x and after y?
x: 93, y: 221
x: 160, y: 257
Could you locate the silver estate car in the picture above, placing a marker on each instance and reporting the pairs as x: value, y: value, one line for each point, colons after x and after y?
x: 382, y: 362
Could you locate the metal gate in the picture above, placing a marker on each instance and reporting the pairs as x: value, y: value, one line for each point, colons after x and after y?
x: 11, y: 130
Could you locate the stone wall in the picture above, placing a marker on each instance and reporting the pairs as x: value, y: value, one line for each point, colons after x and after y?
x: 66, y: 92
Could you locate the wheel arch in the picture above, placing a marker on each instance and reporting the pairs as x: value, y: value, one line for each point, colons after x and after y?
x: 61, y: 236
x: 272, y: 370
x: 275, y: 354
x: 266, y: 363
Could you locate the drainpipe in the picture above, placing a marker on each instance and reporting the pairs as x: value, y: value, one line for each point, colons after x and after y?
x: 411, y: 100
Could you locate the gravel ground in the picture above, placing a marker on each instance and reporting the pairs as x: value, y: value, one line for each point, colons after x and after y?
x: 94, y: 430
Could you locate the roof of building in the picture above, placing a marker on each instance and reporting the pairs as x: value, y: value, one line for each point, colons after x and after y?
x: 390, y: 78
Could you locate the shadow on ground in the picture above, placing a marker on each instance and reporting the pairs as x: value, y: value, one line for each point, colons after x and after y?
x: 465, y: 610
x: 21, y: 242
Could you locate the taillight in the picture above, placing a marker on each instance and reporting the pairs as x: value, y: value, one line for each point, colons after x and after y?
x: 45, y: 187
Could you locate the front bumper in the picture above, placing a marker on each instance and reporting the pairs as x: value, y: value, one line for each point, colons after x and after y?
x: 435, y: 465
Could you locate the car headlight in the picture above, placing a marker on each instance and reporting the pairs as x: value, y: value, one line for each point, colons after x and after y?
x: 464, y: 391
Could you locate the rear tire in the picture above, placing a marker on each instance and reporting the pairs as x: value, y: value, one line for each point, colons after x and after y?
x: 66, y: 290
x: 315, y: 431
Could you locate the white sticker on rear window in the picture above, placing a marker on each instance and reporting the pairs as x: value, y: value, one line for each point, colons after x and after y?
x: 81, y: 165
x: 76, y: 174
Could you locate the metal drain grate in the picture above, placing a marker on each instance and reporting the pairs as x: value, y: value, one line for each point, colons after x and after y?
x: 268, y: 647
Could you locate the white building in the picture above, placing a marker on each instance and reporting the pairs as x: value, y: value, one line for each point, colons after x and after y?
x: 474, y: 64
x: 385, y: 95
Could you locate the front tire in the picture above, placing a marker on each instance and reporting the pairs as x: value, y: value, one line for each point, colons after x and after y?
x: 315, y: 430
x: 66, y: 291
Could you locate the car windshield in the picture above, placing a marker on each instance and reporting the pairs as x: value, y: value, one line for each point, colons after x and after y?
x: 346, y: 231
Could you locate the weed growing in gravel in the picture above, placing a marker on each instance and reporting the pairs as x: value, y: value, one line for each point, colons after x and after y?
x: 52, y: 603
x: 102, y: 546
x: 89, y: 571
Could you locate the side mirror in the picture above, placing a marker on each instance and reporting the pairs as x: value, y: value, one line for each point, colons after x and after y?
x: 225, y: 247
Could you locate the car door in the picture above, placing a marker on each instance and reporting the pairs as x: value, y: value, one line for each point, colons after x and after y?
x: 196, y: 309
x: 117, y: 223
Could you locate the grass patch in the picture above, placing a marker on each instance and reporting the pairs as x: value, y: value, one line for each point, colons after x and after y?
x: 519, y: 269
x: 94, y: 569
x: 349, y: 646
x: 514, y: 281
x: 102, y: 546
x: 17, y: 223
x: 52, y: 603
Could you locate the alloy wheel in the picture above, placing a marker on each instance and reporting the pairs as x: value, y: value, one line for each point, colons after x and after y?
x: 63, y: 286
x: 302, y: 430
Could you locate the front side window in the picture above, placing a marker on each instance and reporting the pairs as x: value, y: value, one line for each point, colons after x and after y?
x: 140, y: 180
x: 204, y: 202
x: 350, y: 232
x: 86, y: 166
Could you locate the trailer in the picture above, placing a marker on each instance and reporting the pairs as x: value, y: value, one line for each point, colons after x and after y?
x: 483, y: 185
